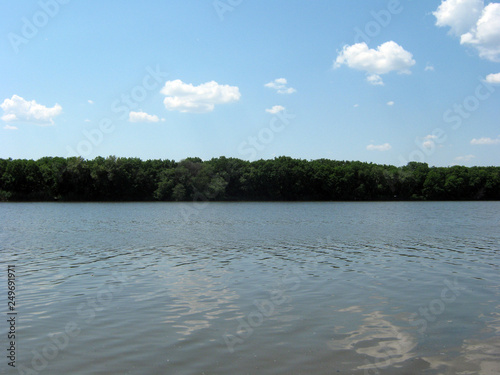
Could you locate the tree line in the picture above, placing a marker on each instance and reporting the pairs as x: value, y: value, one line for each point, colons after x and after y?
x: 231, y: 179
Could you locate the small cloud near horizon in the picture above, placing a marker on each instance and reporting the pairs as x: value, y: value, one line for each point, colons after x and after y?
x: 383, y: 147
x: 485, y: 141
x: 465, y: 158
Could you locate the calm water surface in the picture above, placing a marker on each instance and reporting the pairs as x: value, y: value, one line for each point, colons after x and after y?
x: 253, y: 288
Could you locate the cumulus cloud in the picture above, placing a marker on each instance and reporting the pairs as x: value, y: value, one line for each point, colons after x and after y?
x: 429, y: 68
x: 428, y: 144
x: 476, y: 24
x: 485, y: 141
x: 280, y: 85
x: 388, y: 57
x: 185, y: 97
x: 384, y: 147
x: 429, y: 141
x: 90, y: 101
x: 142, y: 117
x: 459, y: 15
x: 275, y: 109
x: 485, y: 36
x: 10, y: 127
x: 18, y: 109
x: 391, y: 103
x: 375, y: 79
x: 493, y: 78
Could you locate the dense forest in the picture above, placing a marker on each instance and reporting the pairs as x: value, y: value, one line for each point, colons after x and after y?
x: 231, y: 179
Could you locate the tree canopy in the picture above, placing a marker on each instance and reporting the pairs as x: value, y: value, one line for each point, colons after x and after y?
x: 231, y: 179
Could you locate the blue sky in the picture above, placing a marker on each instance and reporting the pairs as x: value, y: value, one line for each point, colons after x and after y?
x: 378, y: 81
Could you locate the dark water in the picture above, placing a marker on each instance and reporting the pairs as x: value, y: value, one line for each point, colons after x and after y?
x: 253, y: 288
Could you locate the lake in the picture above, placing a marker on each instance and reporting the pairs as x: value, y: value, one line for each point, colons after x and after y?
x: 252, y: 288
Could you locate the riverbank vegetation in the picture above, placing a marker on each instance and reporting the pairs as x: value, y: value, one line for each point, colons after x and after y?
x: 231, y: 179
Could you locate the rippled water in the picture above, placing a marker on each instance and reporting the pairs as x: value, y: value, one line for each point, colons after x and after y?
x: 254, y: 288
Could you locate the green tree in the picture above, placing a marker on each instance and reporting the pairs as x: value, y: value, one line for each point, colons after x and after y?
x: 434, y: 184
x: 179, y: 192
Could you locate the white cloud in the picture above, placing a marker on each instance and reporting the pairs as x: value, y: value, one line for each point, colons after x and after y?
x: 429, y: 68
x: 375, y: 79
x: 388, y: 57
x: 485, y: 36
x: 485, y: 141
x: 10, y: 127
x: 18, y: 109
x: 391, y: 103
x: 459, y: 15
x: 142, y: 117
x: 356, y: 105
x: 280, y: 85
x: 476, y: 24
x: 465, y: 158
x: 275, y: 109
x: 90, y: 101
x: 384, y: 147
x: 184, y: 97
x: 493, y: 78
x: 428, y: 144
x: 430, y: 136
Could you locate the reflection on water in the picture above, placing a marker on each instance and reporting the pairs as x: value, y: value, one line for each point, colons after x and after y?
x: 379, y: 341
x: 477, y: 356
x: 193, y: 293
x: 257, y: 288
